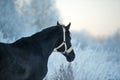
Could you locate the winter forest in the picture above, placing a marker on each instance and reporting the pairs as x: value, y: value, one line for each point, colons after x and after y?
x: 96, y: 59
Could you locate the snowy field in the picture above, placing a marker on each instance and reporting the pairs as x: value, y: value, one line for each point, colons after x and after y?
x: 95, y: 59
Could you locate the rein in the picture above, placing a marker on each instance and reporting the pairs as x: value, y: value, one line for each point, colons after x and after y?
x: 64, y: 44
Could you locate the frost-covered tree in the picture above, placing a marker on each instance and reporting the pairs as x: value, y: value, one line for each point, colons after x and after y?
x: 9, y: 19
x: 45, y: 12
x: 40, y: 13
x: 24, y: 17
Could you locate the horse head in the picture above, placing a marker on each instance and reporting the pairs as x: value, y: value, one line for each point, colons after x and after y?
x: 63, y: 44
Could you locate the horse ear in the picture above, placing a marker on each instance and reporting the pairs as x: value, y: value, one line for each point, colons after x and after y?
x: 68, y: 26
x: 58, y: 23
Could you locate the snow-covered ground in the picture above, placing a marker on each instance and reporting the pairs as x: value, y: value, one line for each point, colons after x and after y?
x: 95, y: 60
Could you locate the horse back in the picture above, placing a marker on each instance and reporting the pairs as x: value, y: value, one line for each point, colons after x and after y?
x: 3, y: 51
x: 4, y: 60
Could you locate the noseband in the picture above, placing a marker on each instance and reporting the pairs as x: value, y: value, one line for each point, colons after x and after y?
x: 64, y: 44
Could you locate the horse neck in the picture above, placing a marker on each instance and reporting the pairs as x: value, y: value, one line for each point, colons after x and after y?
x: 39, y: 43
x: 48, y: 46
x: 46, y: 42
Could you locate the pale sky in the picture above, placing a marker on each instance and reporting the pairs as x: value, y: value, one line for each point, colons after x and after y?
x: 99, y: 17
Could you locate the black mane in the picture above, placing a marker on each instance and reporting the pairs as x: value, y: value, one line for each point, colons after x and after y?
x: 45, y: 34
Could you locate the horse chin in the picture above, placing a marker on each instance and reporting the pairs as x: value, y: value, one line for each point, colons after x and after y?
x: 69, y: 60
x: 70, y: 57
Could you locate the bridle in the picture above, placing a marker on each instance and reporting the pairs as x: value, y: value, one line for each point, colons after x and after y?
x: 64, y: 44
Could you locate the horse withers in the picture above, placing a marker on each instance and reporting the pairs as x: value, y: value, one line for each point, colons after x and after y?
x: 27, y: 58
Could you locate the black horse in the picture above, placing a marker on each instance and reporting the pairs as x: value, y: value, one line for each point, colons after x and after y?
x: 27, y: 58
